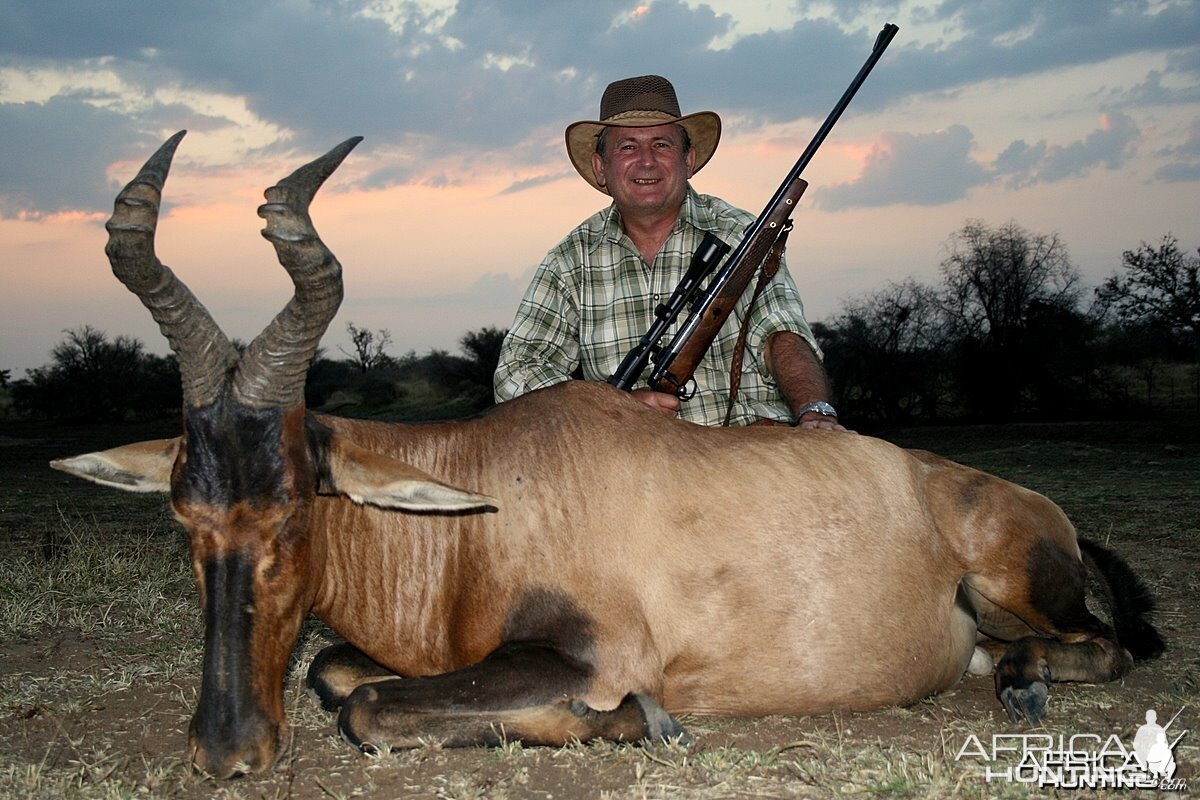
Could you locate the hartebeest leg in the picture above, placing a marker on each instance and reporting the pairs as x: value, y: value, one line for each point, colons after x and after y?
x: 338, y: 670
x: 375, y: 718
x: 1041, y: 609
x: 1030, y: 664
x: 521, y: 692
x: 1026, y: 584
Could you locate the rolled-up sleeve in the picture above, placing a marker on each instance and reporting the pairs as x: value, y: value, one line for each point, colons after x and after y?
x: 542, y: 346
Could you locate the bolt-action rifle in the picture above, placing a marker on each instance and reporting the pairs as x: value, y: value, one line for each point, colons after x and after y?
x: 675, y: 364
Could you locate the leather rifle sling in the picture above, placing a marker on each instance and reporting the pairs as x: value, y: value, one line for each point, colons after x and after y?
x: 770, y: 266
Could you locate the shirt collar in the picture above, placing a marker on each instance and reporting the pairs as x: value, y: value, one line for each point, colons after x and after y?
x: 698, y: 210
x: 694, y: 213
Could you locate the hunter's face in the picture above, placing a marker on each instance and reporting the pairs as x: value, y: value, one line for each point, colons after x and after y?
x: 645, y: 169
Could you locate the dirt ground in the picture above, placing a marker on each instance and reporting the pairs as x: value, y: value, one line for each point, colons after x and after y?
x: 100, y: 647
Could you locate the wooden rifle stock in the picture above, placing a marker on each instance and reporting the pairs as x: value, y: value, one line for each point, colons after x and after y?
x: 676, y: 363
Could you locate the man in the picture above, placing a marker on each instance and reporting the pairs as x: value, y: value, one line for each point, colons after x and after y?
x: 595, y: 293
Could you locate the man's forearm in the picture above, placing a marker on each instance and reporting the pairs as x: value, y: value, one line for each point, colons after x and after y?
x: 796, y: 369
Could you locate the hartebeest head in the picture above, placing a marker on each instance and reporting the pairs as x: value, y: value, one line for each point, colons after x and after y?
x: 245, y: 473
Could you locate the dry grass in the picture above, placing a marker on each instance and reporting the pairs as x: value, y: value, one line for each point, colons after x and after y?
x: 100, y: 654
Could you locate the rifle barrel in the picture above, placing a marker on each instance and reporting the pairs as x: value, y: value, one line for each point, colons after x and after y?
x: 668, y: 354
x: 881, y: 42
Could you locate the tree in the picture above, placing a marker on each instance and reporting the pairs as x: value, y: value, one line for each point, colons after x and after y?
x: 92, y: 377
x: 994, y: 276
x: 470, y: 375
x: 884, y: 354
x: 482, y: 350
x: 1061, y: 361
x: 1156, y: 302
x: 369, y: 347
x: 995, y: 279
x: 1161, y: 286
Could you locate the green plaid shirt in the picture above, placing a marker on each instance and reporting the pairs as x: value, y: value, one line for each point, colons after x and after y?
x: 593, y: 297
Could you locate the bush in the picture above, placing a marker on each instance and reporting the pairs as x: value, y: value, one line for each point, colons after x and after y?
x: 92, y: 378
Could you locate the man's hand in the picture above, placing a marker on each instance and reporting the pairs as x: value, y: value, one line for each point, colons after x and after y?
x: 662, y: 402
x: 822, y: 422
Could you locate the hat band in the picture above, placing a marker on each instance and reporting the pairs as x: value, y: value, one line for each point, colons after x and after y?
x: 630, y: 115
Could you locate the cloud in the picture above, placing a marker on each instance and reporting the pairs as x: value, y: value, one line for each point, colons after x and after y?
x: 1191, y: 146
x: 458, y: 88
x: 997, y: 39
x: 1154, y: 91
x: 919, y: 169
x: 935, y: 168
x: 55, y: 155
x: 530, y: 183
x: 1185, y: 163
x: 1178, y: 172
x: 1110, y: 146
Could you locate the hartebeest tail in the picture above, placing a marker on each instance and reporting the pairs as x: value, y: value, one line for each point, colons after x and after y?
x: 824, y: 571
x: 1128, y: 599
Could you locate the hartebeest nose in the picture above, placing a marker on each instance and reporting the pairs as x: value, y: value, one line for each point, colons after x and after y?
x: 233, y: 753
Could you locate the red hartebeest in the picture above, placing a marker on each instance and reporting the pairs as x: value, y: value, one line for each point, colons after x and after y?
x: 616, y: 567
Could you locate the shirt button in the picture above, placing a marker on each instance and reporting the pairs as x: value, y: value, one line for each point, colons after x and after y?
x: 655, y: 298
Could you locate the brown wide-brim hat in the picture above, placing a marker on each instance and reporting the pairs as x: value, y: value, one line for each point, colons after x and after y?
x: 641, y: 102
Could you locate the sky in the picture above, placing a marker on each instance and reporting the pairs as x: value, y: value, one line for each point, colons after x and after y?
x: 1079, y: 118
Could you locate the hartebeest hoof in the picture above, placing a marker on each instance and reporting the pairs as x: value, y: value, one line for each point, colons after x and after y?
x: 338, y: 670
x: 1025, y: 702
x: 659, y: 725
x: 1022, y: 684
x: 638, y: 717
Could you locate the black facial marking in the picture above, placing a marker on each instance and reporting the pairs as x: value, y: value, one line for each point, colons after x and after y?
x: 234, y: 455
x: 227, y: 711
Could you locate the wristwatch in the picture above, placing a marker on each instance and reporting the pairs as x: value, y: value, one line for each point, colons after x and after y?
x: 820, y: 406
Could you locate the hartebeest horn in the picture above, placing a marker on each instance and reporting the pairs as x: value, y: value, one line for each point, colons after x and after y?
x: 273, y: 369
x: 203, y: 351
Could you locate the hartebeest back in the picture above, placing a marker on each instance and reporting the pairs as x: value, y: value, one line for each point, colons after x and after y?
x: 587, y: 583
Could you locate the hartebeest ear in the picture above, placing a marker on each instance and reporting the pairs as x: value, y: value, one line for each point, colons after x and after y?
x: 379, y: 480
x: 140, y: 467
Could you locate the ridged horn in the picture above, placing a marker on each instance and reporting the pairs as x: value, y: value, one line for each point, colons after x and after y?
x: 273, y: 369
x: 204, y: 353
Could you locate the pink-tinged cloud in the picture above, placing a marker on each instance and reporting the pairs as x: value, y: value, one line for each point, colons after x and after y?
x: 1110, y: 146
x: 915, y: 169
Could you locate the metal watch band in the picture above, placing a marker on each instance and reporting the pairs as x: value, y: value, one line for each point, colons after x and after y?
x: 820, y: 406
